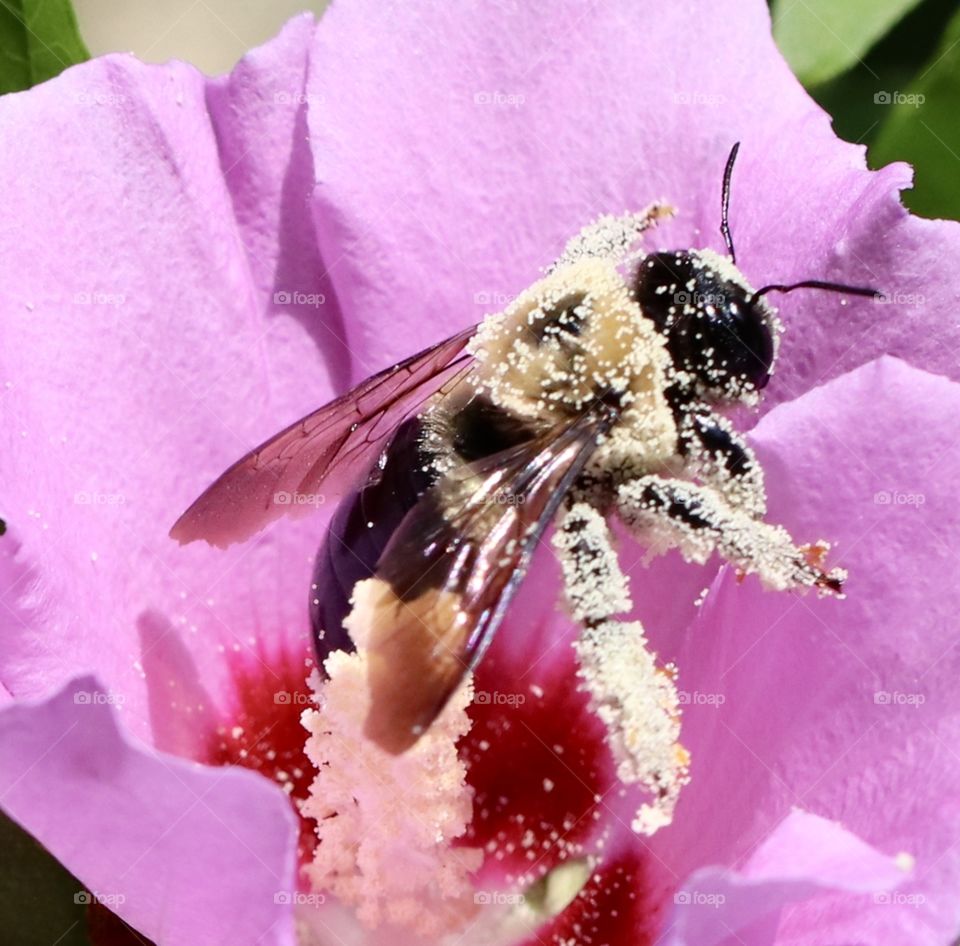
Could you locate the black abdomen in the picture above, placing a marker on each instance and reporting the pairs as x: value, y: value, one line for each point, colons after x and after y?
x: 361, y: 529
x: 365, y: 521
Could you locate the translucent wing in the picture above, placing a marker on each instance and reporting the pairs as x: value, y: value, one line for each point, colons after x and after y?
x: 444, y: 582
x: 314, y: 459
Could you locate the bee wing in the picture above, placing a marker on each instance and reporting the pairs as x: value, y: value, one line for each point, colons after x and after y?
x: 284, y: 475
x: 443, y: 584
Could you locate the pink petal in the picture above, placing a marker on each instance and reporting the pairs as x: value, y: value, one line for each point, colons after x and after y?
x: 473, y: 141
x: 143, y: 352
x: 144, y: 349
x: 149, y: 832
x: 804, y: 854
x: 847, y: 708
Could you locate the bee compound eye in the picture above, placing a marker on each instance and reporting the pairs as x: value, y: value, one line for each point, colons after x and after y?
x: 740, y: 342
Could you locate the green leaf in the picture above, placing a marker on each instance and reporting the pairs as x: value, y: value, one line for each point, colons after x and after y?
x: 40, y: 902
x: 823, y: 38
x: 38, y: 40
x: 921, y: 127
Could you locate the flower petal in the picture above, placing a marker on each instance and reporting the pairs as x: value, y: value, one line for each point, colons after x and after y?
x: 803, y: 855
x: 147, y: 832
x: 846, y: 708
x: 476, y: 139
x: 164, y: 309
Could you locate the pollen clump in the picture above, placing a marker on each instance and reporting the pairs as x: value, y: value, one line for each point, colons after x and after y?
x: 614, y: 238
x: 386, y: 822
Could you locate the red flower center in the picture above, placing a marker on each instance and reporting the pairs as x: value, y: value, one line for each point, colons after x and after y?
x: 262, y: 731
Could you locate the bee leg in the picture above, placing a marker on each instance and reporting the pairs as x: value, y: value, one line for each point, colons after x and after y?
x: 613, y: 237
x: 594, y: 585
x: 633, y: 695
x: 637, y: 700
x: 716, y: 453
x: 698, y: 521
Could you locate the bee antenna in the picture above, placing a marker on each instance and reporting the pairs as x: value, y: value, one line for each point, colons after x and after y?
x: 725, y: 202
x: 819, y: 284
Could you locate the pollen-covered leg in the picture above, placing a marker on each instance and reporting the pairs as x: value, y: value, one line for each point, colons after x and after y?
x: 613, y: 237
x: 638, y: 703
x: 696, y: 520
x: 595, y: 587
x: 718, y: 455
x: 635, y: 698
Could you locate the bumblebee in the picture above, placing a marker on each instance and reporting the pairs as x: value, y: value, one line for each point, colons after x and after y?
x: 599, y: 392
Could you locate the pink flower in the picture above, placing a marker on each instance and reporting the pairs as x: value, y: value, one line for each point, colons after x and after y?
x: 190, y: 263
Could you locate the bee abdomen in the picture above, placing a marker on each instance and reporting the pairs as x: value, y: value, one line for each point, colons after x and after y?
x: 360, y: 530
x: 480, y: 429
x: 366, y: 520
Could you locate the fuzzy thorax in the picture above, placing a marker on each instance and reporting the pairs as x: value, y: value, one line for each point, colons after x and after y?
x: 573, y: 337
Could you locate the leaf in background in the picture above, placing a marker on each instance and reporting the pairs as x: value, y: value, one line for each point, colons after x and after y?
x: 38, y: 40
x: 823, y: 38
x: 922, y: 128
x: 38, y: 897
x: 42, y: 903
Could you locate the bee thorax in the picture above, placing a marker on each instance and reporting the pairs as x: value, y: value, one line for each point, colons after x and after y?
x: 574, y: 337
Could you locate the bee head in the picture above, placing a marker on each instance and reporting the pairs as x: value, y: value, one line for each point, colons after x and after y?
x: 720, y: 333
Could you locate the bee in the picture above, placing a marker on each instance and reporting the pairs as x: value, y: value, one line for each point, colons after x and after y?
x: 600, y: 391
